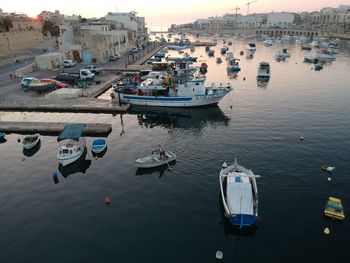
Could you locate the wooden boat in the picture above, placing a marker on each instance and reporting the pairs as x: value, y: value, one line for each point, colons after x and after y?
x: 30, y: 141
x: 239, y: 194
x: 42, y: 85
x: 155, y: 159
x: 334, y: 208
x: 98, y: 145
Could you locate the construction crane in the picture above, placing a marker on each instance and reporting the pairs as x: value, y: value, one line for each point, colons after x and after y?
x: 236, y: 9
x: 248, y: 4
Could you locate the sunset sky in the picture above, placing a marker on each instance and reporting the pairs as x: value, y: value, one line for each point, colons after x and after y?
x: 163, y: 13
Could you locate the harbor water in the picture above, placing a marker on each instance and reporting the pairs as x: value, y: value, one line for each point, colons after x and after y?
x: 175, y: 215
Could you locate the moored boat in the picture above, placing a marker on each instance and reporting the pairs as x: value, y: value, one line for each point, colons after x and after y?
x: 334, y: 208
x: 218, y: 60
x: 251, y: 46
x: 30, y: 141
x: 239, y: 194
x: 71, y: 145
x: 264, y: 70
x: 98, y: 145
x: 175, y: 89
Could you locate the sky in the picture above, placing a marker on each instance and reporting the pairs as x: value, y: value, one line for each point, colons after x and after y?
x: 162, y: 13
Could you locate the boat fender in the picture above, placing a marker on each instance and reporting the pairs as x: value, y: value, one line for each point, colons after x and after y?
x: 112, y: 95
x: 55, y: 177
x: 18, y: 140
x: 107, y: 200
x: 219, y: 255
x: 324, y: 167
x: 244, y: 78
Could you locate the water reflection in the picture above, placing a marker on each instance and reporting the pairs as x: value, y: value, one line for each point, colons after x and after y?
x: 3, y: 140
x: 262, y: 82
x: 156, y: 170
x: 32, y: 151
x: 149, y: 117
x: 79, y: 166
x: 99, y: 155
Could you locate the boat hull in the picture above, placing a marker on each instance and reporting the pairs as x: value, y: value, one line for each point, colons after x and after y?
x: 184, y: 102
x: 153, y: 160
x: 29, y: 146
x: 64, y: 161
x: 98, y: 145
x: 246, y: 213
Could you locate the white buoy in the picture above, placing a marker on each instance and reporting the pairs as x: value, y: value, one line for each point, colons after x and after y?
x: 219, y: 255
x: 326, y: 231
x: 329, y: 179
x: 224, y: 165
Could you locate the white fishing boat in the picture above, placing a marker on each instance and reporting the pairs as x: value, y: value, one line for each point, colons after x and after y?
x: 30, y: 141
x: 310, y: 59
x: 268, y: 42
x: 251, y: 46
x: 71, y: 145
x: 239, y: 194
x: 174, y: 91
x: 156, y: 158
x: 264, y: 70
x: 319, y: 66
x: 285, y: 53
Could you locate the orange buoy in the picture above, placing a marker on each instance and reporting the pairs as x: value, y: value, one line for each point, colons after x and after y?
x: 107, y: 200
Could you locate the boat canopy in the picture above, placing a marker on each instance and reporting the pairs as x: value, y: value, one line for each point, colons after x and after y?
x: 239, y: 194
x: 71, y: 131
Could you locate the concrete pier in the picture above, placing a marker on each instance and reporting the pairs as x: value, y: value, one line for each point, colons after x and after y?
x: 85, y: 105
x: 51, y: 128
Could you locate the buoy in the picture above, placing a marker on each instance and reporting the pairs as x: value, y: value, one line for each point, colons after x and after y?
x: 55, y: 177
x: 107, y: 200
x: 231, y: 106
x: 23, y: 159
x: 326, y: 231
x: 329, y: 179
x: 18, y: 140
x: 244, y: 78
x: 301, y: 137
x: 219, y: 255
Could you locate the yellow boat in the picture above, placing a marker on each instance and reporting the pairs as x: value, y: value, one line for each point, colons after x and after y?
x: 334, y: 208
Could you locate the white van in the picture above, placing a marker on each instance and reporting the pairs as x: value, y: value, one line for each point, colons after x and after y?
x: 68, y: 63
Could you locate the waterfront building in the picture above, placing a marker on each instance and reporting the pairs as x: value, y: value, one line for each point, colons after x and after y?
x: 134, y: 24
x: 92, y: 42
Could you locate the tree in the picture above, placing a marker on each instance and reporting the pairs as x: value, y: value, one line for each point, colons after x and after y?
x: 51, y: 28
x: 6, y: 23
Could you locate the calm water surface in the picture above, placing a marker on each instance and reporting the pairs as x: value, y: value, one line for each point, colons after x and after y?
x: 176, y: 216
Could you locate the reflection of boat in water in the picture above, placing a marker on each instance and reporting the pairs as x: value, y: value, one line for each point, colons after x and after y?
x: 79, y: 166
x: 158, y: 169
x: 30, y: 152
x: 262, y: 82
x: 197, y: 118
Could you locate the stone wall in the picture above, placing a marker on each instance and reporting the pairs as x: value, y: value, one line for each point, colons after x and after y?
x: 14, y: 43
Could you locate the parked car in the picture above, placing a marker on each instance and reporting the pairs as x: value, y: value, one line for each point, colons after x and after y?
x: 93, y: 69
x: 114, y: 57
x: 26, y: 81
x: 69, y: 63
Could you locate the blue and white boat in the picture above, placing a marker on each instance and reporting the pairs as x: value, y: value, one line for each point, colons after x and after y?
x: 239, y: 194
x: 98, y: 145
x: 174, y: 91
x: 2, y: 136
x: 233, y: 66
